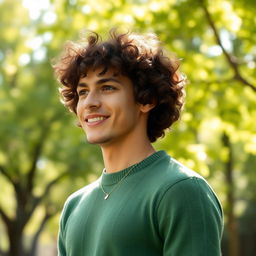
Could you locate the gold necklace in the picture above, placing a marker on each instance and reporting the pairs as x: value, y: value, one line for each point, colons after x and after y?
x: 107, y: 195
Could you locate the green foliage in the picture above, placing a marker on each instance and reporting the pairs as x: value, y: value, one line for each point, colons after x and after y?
x: 221, y: 94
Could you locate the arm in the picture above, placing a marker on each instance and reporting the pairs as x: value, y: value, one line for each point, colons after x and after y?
x: 61, y: 243
x: 190, y: 219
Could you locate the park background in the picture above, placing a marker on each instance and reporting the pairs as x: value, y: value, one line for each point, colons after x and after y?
x: 43, y: 155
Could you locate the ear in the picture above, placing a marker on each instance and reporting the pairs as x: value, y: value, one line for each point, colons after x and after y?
x: 147, y: 107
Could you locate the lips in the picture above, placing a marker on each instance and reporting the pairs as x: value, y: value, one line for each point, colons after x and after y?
x: 95, y: 119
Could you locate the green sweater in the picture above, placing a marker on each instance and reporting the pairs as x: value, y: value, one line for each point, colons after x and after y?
x: 160, y: 208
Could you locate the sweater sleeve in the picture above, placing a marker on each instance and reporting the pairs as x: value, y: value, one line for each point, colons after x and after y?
x: 66, y: 211
x: 190, y: 219
x: 61, y: 246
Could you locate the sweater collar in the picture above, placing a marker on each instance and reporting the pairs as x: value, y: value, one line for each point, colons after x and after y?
x: 112, y: 178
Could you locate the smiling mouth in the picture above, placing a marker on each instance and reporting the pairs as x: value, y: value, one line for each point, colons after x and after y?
x: 95, y: 119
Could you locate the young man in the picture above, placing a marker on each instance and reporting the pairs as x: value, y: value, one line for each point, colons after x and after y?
x: 125, y: 93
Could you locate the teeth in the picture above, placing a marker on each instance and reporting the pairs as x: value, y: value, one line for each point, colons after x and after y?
x: 95, y: 119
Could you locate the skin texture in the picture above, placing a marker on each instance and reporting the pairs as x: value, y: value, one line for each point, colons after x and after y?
x: 111, y: 118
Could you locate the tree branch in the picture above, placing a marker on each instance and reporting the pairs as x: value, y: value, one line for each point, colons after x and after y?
x: 3, y: 253
x: 37, y: 152
x: 232, y: 227
x: 47, y: 216
x: 6, y: 174
x: 5, y: 218
x: 47, y: 189
x: 35, y: 201
x: 230, y: 58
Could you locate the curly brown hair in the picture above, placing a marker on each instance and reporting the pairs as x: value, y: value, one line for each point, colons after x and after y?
x: 155, y: 76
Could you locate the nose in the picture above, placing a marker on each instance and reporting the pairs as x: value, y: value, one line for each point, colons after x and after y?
x: 92, y: 100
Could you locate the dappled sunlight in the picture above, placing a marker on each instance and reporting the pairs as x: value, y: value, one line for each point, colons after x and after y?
x: 44, y: 157
x: 36, y: 7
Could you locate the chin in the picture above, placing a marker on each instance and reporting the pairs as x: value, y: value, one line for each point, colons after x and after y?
x: 98, y: 141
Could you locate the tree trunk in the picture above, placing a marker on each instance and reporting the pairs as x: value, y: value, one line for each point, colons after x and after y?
x: 34, y: 244
x: 16, y: 241
x: 232, y: 228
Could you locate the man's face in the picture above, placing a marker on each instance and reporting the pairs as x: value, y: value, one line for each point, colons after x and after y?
x: 106, y: 108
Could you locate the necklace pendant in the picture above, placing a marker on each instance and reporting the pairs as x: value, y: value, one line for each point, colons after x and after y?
x: 106, y: 196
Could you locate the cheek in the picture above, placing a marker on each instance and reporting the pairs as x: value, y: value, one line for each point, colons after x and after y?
x: 127, y: 112
x: 78, y: 110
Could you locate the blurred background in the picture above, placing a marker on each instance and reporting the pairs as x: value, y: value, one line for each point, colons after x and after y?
x: 43, y: 155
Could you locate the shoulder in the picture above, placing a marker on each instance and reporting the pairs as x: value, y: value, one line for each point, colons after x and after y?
x: 179, y: 184
x: 190, y: 190
x: 169, y: 172
x: 75, y: 198
x: 77, y: 195
x: 188, y: 209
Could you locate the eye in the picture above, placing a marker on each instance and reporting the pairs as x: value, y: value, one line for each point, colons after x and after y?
x: 82, y: 92
x: 108, y: 88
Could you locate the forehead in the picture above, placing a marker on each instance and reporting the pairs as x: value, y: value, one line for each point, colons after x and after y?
x: 101, y: 74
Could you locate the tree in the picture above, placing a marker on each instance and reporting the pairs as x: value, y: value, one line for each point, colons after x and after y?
x: 36, y: 134
x: 216, y: 136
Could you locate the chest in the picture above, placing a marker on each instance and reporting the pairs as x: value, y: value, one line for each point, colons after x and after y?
x: 125, y: 221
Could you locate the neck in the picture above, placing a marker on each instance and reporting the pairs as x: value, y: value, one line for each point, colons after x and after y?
x: 118, y: 157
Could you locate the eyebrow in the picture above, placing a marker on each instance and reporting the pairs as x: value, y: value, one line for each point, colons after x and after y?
x: 100, y: 81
